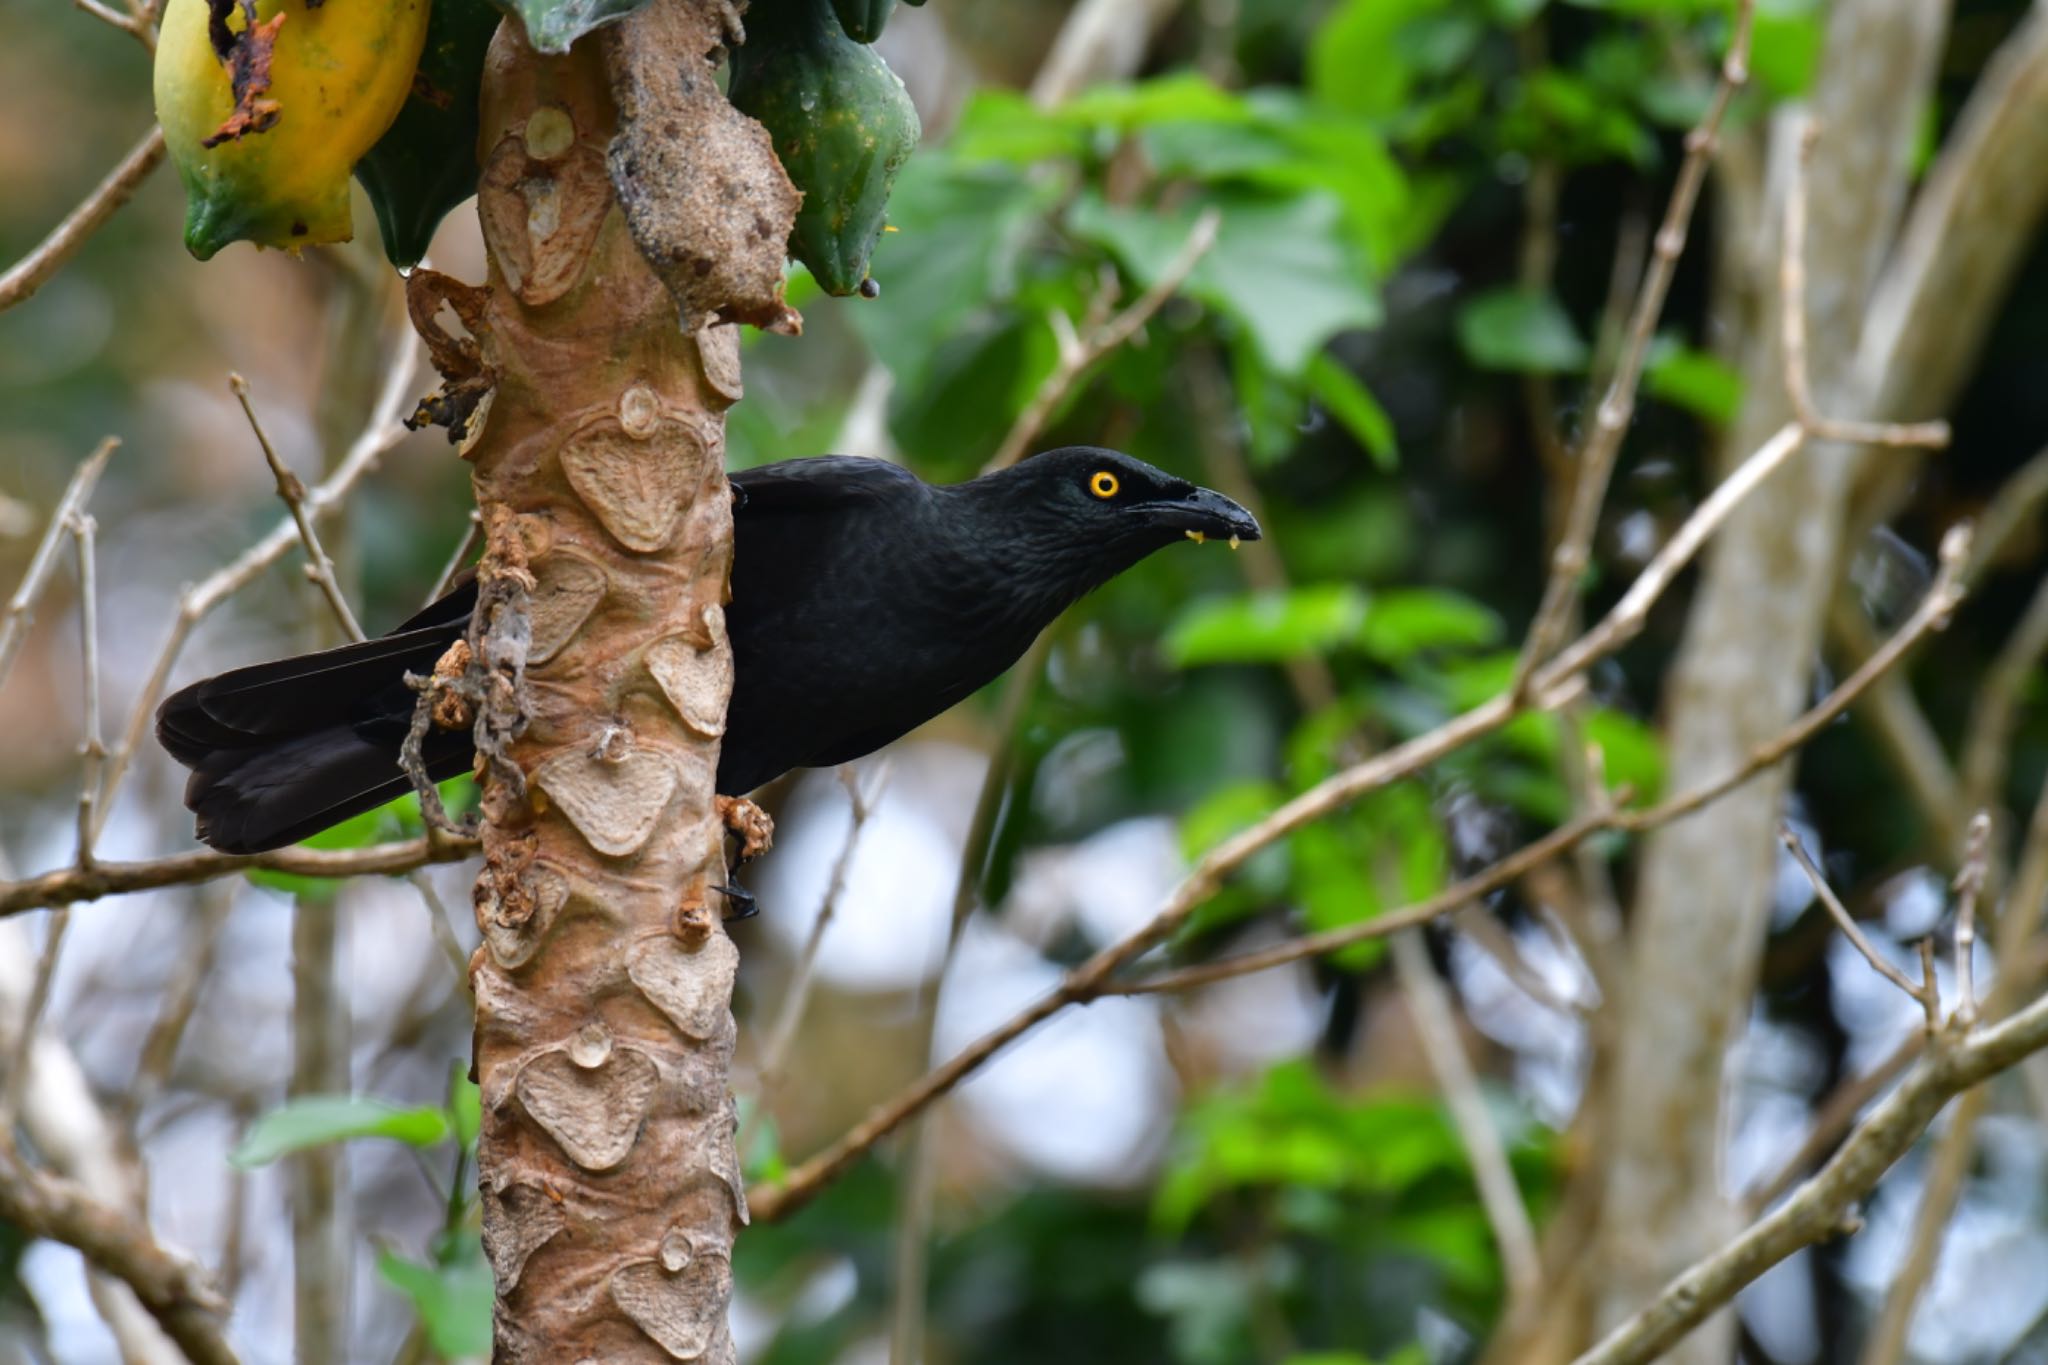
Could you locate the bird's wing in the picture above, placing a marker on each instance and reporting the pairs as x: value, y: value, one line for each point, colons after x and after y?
x: 817, y: 483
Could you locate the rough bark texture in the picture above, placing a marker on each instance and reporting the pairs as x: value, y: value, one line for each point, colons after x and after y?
x: 1740, y: 677
x: 611, y: 1192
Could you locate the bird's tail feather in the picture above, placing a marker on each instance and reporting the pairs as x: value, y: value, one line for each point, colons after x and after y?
x: 282, y: 750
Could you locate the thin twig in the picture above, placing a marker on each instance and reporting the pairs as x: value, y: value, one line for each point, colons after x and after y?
x: 1957, y: 1147
x: 1486, y: 936
x: 1078, y: 351
x: 34, y: 270
x: 1922, y: 993
x: 1987, y: 745
x: 16, y: 1081
x: 1954, y: 1063
x: 1602, y: 444
x: 472, y: 537
x: 796, y: 997
x: 180, y: 999
x: 138, y: 23
x: 71, y: 885
x: 1968, y: 885
x: 1552, y: 684
x: 93, y: 751
x: 174, y: 1290
x: 1436, y: 1025
x: 1931, y: 615
x: 380, y: 433
x: 292, y: 492
x: 20, y: 612
x: 1466, y: 892
x: 1792, y: 326
x: 1834, y: 1118
x: 442, y: 926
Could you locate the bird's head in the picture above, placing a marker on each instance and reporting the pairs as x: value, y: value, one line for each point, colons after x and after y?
x: 1106, y: 498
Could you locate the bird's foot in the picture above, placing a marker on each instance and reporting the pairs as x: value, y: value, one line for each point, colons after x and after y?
x: 739, y: 902
x: 749, y: 823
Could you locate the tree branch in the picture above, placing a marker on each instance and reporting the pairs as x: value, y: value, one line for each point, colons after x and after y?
x: 173, y: 1289
x: 1821, y: 1206
x: 1597, y: 453
x: 20, y: 612
x: 72, y: 885
x: 292, y: 493
x: 34, y: 270
x: 1080, y: 350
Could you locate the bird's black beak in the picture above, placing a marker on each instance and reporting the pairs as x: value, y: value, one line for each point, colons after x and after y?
x: 1201, y: 514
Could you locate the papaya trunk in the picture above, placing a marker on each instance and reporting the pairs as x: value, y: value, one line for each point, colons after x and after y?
x: 604, y: 1034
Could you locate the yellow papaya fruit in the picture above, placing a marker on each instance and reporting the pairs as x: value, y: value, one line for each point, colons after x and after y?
x: 267, y: 105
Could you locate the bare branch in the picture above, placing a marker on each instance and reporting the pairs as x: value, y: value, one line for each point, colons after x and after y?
x: 1931, y: 615
x: 1077, y: 352
x: 72, y: 885
x: 14, y: 622
x: 472, y: 538
x: 1818, y: 1209
x: 441, y: 924
x: 180, y: 999
x: 1552, y: 683
x: 1957, y: 1147
x: 173, y: 1289
x: 1834, y: 1118
x: 796, y: 996
x: 34, y: 270
x: 1987, y: 745
x: 380, y: 433
x: 1923, y: 993
x: 1436, y: 1025
x: 1597, y: 453
x: 292, y: 493
x: 93, y: 749
x: 1969, y: 884
x: 32, y: 1020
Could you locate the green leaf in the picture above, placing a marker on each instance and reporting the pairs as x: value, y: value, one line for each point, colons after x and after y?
x: 1283, y: 267
x: 1694, y: 380
x: 1785, y: 46
x: 1333, y: 881
x: 1354, y: 407
x: 552, y: 25
x: 1403, y: 622
x: 1354, y: 60
x: 1523, y: 331
x: 453, y: 1297
x: 959, y: 234
x: 1226, y: 811
x: 1266, y: 627
x: 315, y: 1120
x: 465, y: 1105
x: 398, y: 818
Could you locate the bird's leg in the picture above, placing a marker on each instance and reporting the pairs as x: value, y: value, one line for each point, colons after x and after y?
x: 749, y: 824
x: 739, y: 902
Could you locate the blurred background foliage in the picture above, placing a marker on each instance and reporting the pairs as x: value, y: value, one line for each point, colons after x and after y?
x: 1431, y: 213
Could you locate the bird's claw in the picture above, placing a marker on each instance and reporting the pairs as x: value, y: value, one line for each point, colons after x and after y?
x: 740, y: 902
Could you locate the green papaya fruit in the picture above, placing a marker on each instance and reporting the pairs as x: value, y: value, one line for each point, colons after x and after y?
x: 864, y: 20
x: 842, y: 124
x: 425, y: 164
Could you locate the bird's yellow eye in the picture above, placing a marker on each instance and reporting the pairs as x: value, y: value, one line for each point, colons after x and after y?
x: 1103, y: 484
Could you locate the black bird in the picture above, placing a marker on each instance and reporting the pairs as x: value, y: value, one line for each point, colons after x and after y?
x: 864, y: 602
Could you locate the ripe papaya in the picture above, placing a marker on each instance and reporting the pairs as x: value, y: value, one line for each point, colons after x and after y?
x: 426, y: 162
x: 842, y: 124
x: 266, y: 109
x: 863, y: 20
